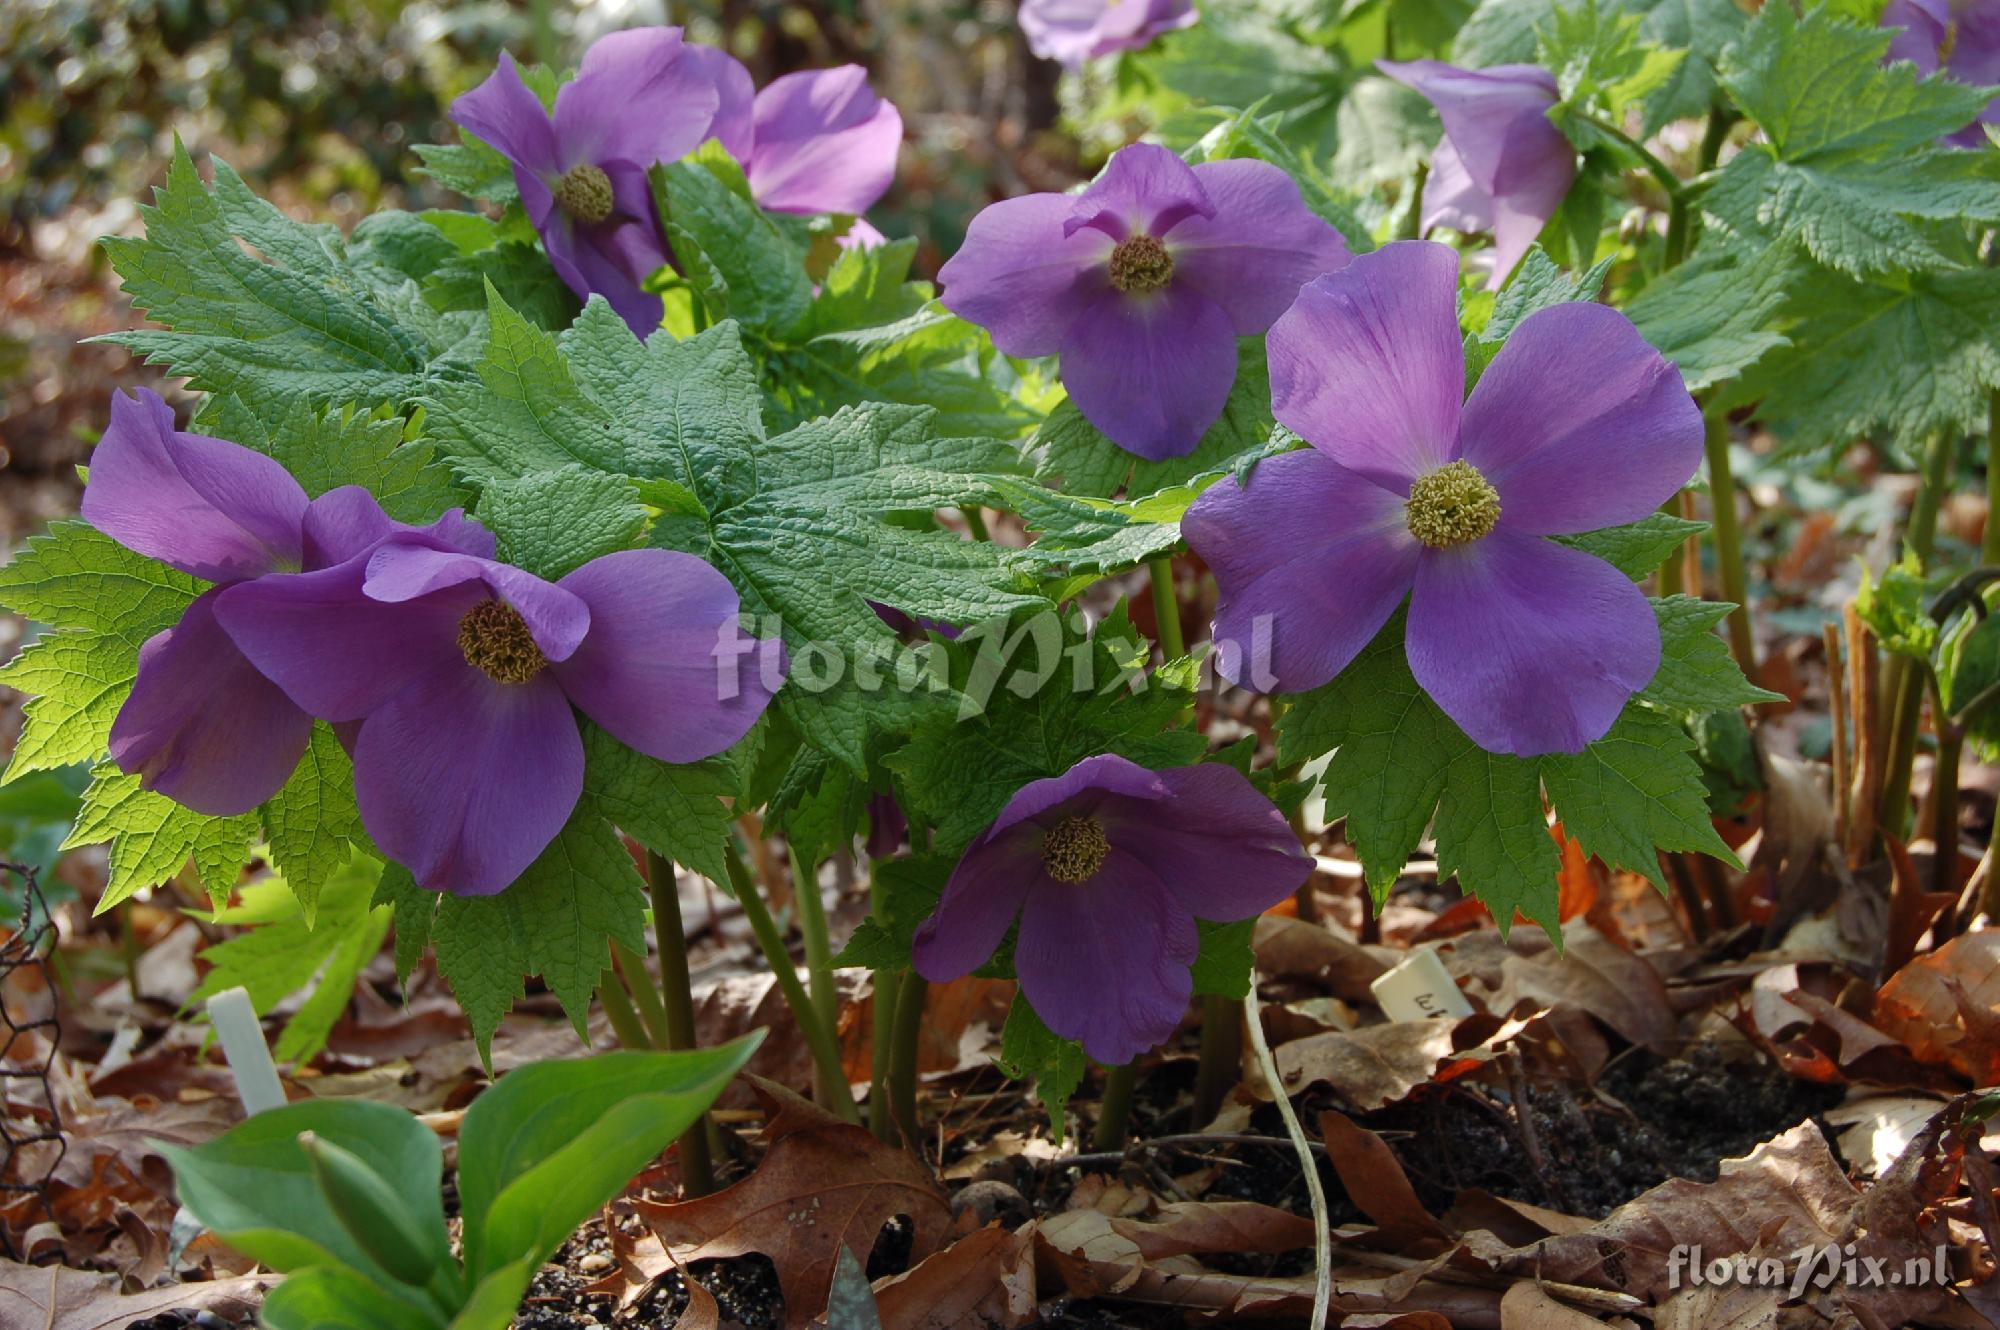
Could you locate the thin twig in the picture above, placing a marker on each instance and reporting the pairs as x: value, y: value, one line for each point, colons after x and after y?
x: 1253, y: 1018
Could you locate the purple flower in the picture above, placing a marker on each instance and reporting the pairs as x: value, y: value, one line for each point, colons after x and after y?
x: 821, y: 141
x: 1529, y: 645
x: 1962, y: 38
x: 462, y: 672
x: 638, y: 99
x: 888, y: 829
x: 1143, y: 283
x: 1107, y: 868
x: 1073, y: 31
x: 1503, y: 166
x: 202, y: 726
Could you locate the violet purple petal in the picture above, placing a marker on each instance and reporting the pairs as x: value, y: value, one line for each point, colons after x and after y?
x: 1368, y: 366
x: 824, y: 142
x: 636, y: 99
x: 405, y: 570
x: 210, y: 508
x: 1021, y: 278
x: 1151, y: 371
x: 980, y: 902
x: 1310, y: 560
x: 1580, y: 424
x: 505, y: 113
x: 1259, y: 246
x: 650, y: 670
x: 202, y: 726
x: 1530, y: 646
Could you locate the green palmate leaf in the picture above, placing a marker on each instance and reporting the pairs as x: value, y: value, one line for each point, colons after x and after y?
x: 1716, y: 314
x: 1903, y: 356
x: 1039, y: 698
x: 312, y: 823
x: 1070, y: 451
x: 1602, y: 62
x: 314, y: 318
x: 1386, y: 132
x: 282, y: 951
x: 325, y: 449
x: 554, y: 522
x: 1697, y: 672
x: 741, y: 264
x: 1238, y: 57
x: 103, y: 601
x: 796, y: 522
x: 1849, y: 167
x: 469, y: 167
x: 1400, y: 766
x: 414, y: 909
x: 1634, y: 793
x: 673, y: 809
x: 1639, y: 548
x: 872, y: 335
x: 1080, y: 540
x: 1493, y: 835
x: 1539, y: 283
x: 153, y: 838
x: 905, y: 893
x: 1224, y: 964
x: 1030, y: 1051
x: 482, y: 952
x: 816, y: 807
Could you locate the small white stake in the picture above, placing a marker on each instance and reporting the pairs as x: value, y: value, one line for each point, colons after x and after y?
x: 236, y: 1024
x: 1419, y: 989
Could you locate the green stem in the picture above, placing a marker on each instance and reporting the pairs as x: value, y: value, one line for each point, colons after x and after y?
x: 1679, y: 225
x: 1989, y: 544
x: 617, y: 1004
x: 882, y: 1041
x: 1903, y: 681
x: 645, y: 997
x: 819, y: 1036
x: 1672, y: 576
x: 1221, y: 1055
x: 819, y: 954
x: 1412, y: 224
x: 1166, y: 607
x: 1659, y: 170
x: 975, y: 521
x: 677, y: 1009
x: 903, y: 1059
x: 1729, y: 542
x: 1712, y: 138
x: 1930, y: 497
x: 1944, y: 808
x: 1114, y: 1113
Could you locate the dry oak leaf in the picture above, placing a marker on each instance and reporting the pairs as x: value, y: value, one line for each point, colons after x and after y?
x: 823, y: 1184
x: 57, y: 1298
x: 1597, y: 975
x: 1946, y: 1006
x: 1374, y: 1179
x: 1370, y: 1068
x: 984, y: 1281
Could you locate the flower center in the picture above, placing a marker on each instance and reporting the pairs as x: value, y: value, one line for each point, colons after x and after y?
x: 495, y: 638
x: 1141, y: 264
x: 585, y: 193
x: 1452, y: 506
x: 1074, y: 849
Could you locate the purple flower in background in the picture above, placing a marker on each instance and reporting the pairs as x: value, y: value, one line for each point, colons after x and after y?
x: 638, y: 99
x: 1962, y: 39
x: 1107, y: 868
x: 1503, y: 166
x: 1073, y: 31
x: 462, y: 672
x: 1529, y: 645
x: 1143, y: 283
x: 202, y: 726
x: 818, y: 141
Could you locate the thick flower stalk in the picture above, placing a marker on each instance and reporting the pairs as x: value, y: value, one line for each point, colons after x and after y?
x: 202, y: 725
x: 461, y: 673
x: 1531, y: 646
x: 1142, y: 284
x: 1961, y: 38
x: 1075, y: 31
x: 819, y: 141
x: 1503, y: 166
x: 1107, y: 867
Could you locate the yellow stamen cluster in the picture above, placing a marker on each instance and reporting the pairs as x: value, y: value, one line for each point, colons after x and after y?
x: 495, y: 638
x: 1140, y: 264
x: 585, y: 193
x: 1074, y: 849
x: 1452, y: 505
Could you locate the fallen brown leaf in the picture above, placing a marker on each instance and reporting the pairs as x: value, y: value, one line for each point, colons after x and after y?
x: 1369, y: 1068
x: 985, y: 1279
x: 1375, y: 1182
x: 1946, y: 1006
x: 823, y: 1184
x: 58, y: 1298
x: 1526, y: 1307
x: 1596, y: 975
